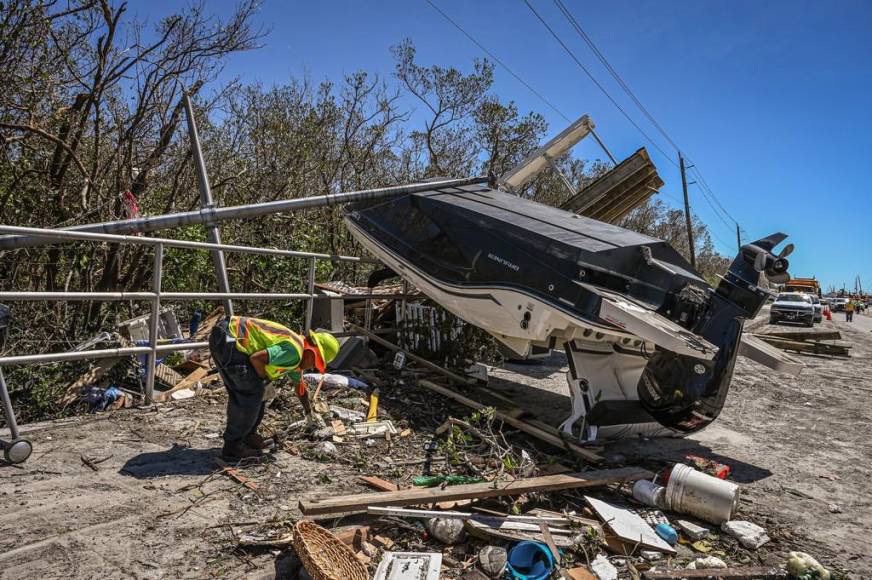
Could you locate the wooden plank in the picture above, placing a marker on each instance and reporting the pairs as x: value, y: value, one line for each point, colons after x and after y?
x: 358, y: 502
x: 378, y: 483
x: 189, y: 381
x: 805, y: 334
x: 487, y: 533
x: 742, y: 573
x: 607, y: 182
x: 449, y: 515
x: 806, y: 347
x: 519, y: 424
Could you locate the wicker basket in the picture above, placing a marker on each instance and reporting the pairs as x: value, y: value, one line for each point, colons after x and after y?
x: 325, y: 557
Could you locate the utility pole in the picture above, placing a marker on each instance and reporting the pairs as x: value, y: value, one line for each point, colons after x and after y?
x: 687, y: 212
x: 738, y: 238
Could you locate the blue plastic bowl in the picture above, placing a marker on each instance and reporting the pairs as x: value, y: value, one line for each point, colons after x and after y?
x: 530, y: 561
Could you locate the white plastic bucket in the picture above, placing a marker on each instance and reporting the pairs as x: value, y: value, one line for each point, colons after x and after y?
x: 649, y: 493
x: 698, y: 494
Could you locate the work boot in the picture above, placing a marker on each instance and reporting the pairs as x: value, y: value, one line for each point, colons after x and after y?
x: 256, y: 441
x: 237, y: 451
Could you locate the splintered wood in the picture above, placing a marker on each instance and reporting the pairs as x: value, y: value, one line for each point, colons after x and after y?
x: 359, y: 502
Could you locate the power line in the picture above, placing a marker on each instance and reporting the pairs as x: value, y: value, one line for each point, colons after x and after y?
x: 574, y: 23
x: 551, y: 105
x: 623, y: 84
x: 498, y: 61
x: 709, y: 189
x: 597, y: 83
x: 715, y: 209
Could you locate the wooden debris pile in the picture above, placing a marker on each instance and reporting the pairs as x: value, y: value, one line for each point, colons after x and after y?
x: 819, y: 342
x: 115, y: 383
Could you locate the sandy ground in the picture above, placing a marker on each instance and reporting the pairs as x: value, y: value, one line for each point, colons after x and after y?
x: 796, y: 444
x: 155, y: 509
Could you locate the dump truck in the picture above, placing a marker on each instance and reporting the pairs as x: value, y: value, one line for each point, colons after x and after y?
x: 805, y: 285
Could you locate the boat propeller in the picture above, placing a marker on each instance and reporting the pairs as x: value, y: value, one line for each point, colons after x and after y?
x: 760, y: 254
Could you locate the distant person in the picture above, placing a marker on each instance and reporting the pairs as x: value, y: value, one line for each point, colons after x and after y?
x: 849, y: 311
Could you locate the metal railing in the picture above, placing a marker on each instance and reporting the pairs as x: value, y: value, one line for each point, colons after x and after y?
x: 156, y: 296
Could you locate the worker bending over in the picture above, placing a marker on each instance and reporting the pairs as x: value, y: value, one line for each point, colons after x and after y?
x: 250, y: 353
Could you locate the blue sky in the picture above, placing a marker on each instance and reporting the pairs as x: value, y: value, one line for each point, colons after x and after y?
x: 771, y: 100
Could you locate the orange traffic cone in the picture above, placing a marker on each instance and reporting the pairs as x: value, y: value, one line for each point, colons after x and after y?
x: 827, y: 313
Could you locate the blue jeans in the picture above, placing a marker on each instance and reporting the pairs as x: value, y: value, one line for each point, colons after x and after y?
x: 245, y: 390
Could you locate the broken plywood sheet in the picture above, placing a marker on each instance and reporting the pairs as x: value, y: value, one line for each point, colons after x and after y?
x: 628, y: 525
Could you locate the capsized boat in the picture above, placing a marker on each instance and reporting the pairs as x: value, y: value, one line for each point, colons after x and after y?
x: 651, y: 345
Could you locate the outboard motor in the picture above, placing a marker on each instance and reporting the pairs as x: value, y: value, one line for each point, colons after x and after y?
x: 685, y: 393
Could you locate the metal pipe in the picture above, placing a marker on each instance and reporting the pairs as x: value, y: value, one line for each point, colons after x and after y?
x: 7, y: 408
x: 67, y: 235
x: 180, y: 346
x: 98, y: 354
x: 151, y: 359
x: 206, y: 202
x: 310, y: 303
x: 214, y: 215
x: 193, y: 296
x: 125, y: 296
x: 73, y: 355
x: 76, y: 296
x: 603, y: 146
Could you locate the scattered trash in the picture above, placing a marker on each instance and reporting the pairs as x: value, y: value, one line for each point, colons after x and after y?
x: 692, y: 492
x: 326, y: 448
x: 603, y: 569
x: 691, y: 530
x: 372, y: 412
x: 651, y: 555
x: 834, y: 508
x: 447, y: 531
x: 409, y: 566
x: 333, y: 380
x: 648, y: 493
x: 749, y: 535
x: 531, y: 561
x: 579, y: 573
x: 628, y: 526
x: 492, y: 560
x: 707, y: 563
x: 372, y: 429
x: 347, y: 414
x: 804, y: 566
x: 709, y: 466
x: 667, y: 532
x: 102, y: 399
x: 183, y: 394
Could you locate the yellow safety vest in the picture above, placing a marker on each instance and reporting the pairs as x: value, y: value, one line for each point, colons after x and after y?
x: 254, y: 335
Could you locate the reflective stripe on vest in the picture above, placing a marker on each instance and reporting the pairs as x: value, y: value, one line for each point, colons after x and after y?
x: 254, y: 335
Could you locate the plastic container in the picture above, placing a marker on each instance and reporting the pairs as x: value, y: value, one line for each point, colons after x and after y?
x: 695, y: 493
x: 667, y: 532
x: 530, y: 561
x: 649, y: 493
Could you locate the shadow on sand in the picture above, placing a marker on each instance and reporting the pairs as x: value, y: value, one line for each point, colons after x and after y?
x: 177, y: 460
